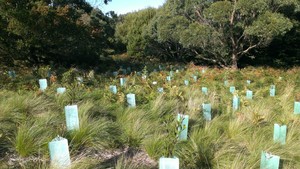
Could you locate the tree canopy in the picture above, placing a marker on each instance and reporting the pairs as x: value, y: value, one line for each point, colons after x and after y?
x: 59, y: 31
x: 218, y: 32
x: 212, y: 32
x: 130, y: 30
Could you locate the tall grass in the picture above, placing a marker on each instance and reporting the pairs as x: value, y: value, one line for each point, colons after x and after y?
x: 30, y: 139
x: 94, y: 133
x: 232, y: 139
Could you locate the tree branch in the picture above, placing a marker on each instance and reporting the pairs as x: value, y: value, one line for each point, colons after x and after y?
x: 248, y: 49
x: 231, y: 25
x: 217, y: 59
x: 201, y: 18
x: 241, y: 37
x: 233, y: 13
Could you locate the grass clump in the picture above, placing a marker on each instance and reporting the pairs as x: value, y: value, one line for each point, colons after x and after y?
x: 93, y: 133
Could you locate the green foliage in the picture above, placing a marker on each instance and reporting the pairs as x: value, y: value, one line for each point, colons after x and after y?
x: 221, y: 33
x: 65, y: 32
x: 43, y: 72
x: 236, y: 28
x: 134, y: 128
x: 170, y: 27
x: 269, y: 25
x: 201, y: 147
x: 30, y: 139
x: 210, y: 32
x: 69, y: 77
x: 172, y: 131
x: 130, y: 30
x: 219, y: 12
x: 145, y: 72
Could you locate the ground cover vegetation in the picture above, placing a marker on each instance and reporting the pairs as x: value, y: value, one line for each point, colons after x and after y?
x: 113, y: 135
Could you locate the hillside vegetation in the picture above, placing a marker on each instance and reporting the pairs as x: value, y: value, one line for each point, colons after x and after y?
x: 113, y: 135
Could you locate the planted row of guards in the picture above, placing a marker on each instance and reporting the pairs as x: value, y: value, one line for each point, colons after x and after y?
x: 59, y: 149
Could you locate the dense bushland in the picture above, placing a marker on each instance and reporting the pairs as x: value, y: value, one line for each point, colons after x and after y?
x: 220, y: 33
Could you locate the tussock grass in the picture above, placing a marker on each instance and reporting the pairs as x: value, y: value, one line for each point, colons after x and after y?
x: 124, y: 163
x: 94, y: 133
x: 30, y: 139
x: 232, y: 139
x: 135, y: 127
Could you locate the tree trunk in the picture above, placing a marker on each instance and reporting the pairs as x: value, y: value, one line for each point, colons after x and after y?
x: 234, y: 42
x: 234, y: 61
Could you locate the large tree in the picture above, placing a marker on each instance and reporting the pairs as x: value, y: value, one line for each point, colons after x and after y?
x: 224, y: 31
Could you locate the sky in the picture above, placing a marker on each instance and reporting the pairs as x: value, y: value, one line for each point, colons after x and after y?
x: 125, y: 6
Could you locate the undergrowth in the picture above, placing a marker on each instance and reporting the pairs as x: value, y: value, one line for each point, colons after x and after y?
x: 30, y: 119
